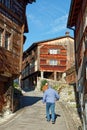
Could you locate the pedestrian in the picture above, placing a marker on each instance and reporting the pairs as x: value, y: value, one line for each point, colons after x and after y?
x: 45, y: 87
x: 49, y: 97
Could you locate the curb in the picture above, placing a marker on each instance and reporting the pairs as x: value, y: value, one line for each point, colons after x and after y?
x: 11, y: 117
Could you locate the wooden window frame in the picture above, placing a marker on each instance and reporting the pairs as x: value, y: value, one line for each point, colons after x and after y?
x: 7, y: 3
x: 54, y: 51
x: 7, y: 43
x: 53, y: 62
x: 1, y: 35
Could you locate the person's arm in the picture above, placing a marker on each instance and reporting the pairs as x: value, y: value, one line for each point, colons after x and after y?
x: 44, y: 98
x: 57, y: 96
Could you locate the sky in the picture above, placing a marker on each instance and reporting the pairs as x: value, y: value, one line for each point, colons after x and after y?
x: 46, y: 19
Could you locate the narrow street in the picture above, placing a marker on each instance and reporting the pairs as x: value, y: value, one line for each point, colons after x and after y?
x: 32, y: 115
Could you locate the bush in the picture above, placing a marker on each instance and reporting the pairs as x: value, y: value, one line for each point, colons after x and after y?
x: 16, y: 85
x: 56, y: 87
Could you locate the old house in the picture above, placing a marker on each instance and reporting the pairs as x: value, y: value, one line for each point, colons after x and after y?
x: 71, y: 75
x: 13, y: 24
x: 77, y: 21
x: 47, y: 59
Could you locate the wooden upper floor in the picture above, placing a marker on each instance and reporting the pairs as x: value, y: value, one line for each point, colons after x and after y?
x: 77, y: 20
x: 52, y: 58
x: 12, y: 26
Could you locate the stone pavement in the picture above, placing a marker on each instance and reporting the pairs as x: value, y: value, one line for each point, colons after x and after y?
x: 32, y: 116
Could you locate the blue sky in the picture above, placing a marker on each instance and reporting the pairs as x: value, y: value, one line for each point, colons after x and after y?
x: 47, y: 19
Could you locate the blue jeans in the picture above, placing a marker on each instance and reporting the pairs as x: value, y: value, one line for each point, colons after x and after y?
x: 50, y: 107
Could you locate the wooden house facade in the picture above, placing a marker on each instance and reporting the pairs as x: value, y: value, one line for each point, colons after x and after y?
x: 47, y: 59
x: 71, y: 75
x: 13, y: 24
x: 77, y: 21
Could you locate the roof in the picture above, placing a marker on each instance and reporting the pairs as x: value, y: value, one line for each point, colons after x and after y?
x: 73, y: 13
x: 54, y: 39
x: 36, y: 43
x: 30, y: 1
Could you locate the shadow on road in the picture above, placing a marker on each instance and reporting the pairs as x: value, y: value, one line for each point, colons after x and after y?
x: 28, y: 100
x: 57, y: 115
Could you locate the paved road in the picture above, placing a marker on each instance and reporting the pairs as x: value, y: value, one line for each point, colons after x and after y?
x: 32, y: 116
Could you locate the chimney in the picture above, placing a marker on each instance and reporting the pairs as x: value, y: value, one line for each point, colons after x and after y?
x: 67, y: 33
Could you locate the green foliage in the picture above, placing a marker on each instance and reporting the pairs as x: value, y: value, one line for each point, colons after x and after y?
x: 69, y: 92
x: 43, y: 82
x: 16, y: 85
x: 56, y: 87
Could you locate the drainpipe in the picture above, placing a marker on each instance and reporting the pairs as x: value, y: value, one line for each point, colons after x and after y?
x: 74, y: 45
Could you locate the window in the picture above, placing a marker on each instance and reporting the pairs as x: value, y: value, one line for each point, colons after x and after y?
x: 7, y: 41
x: 58, y: 51
x: 53, y: 62
x: 54, y: 51
x: 32, y: 64
x: 26, y: 70
x: 7, y: 3
x: 1, y: 37
x: 3, y: 1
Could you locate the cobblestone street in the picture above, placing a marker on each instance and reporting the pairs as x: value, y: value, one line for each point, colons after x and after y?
x: 32, y: 116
